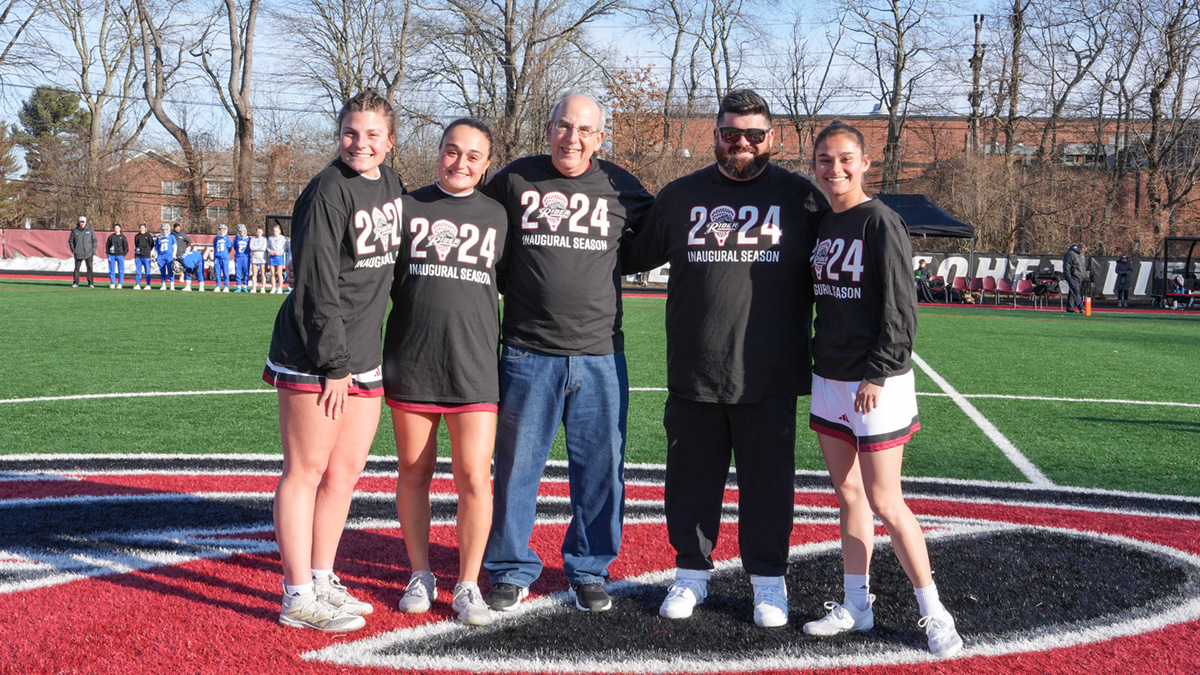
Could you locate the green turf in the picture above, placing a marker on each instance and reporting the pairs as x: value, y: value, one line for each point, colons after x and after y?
x: 59, y: 341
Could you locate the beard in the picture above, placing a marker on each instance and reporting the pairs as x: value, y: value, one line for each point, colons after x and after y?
x: 742, y: 165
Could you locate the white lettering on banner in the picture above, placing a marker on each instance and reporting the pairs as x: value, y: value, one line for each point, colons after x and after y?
x: 1110, y: 279
x: 991, y: 267
x: 1145, y: 270
x: 1024, y: 265
x: 958, y: 264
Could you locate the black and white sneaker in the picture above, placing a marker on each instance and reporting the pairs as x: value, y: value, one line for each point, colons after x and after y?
x: 504, y: 596
x: 590, y: 597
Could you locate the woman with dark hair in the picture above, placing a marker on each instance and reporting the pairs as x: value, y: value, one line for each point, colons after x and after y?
x: 864, y: 403
x: 440, y: 359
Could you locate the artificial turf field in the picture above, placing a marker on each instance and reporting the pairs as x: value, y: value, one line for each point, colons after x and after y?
x: 1057, y: 473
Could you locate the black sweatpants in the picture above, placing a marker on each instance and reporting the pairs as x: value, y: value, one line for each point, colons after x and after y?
x: 79, y: 262
x: 700, y: 438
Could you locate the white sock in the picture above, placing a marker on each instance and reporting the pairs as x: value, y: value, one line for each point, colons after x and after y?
x: 927, y: 600
x: 321, y: 574
x: 301, y: 589
x: 857, y: 588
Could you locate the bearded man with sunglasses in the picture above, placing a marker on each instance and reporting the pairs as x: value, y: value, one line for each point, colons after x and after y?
x: 738, y: 235
x: 562, y: 360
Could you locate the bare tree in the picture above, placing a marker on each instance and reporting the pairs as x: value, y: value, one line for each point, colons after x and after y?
x: 241, y: 21
x: 680, y: 23
x: 807, y: 84
x: 16, y: 16
x: 529, y: 39
x: 103, y: 36
x: 346, y: 46
x: 160, y: 68
x: 1170, y: 146
x: 1070, y: 38
x: 891, y: 40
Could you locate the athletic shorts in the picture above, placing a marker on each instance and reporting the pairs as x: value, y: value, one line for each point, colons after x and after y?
x: 276, y: 261
x: 891, y: 423
x: 369, y: 384
x: 442, y: 409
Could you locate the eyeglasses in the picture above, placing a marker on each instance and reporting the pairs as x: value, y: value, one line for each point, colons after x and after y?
x: 753, y: 136
x: 564, y: 129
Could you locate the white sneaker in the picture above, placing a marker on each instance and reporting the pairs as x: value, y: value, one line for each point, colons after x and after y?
x: 689, y: 589
x: 111, y: 286
x: 201, y: 288
x: 770, y: 601
x: 188, y: 288
x: 308, y: 611
x: 331, y: 591
x: 420, y: 593
x: 468, y: 602
x: 842, y: 618
x: 137, y: 287
x: 172, y: 285
x: 944, y: 641
x: 163, y: 287
x: 119, y: 286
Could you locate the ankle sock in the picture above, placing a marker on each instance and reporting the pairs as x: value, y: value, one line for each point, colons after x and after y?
x: 927, y: 600
x: 321, y: 574
x: 301, y: 589
x: 857, y: 588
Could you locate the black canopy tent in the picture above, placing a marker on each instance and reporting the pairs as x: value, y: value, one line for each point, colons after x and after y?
x: 926, y: 219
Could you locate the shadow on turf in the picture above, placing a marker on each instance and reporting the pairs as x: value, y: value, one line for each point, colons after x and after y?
x: 1186, y: 426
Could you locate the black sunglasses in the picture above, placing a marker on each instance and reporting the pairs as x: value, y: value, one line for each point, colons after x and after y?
x: 732, y: 134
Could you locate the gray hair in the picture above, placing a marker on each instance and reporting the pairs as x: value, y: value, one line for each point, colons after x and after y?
x: 562, y: 101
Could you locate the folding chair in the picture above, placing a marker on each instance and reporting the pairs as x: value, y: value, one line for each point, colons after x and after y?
x: 959, y: 284
x: 989, y: 286
x: 1024, y: 288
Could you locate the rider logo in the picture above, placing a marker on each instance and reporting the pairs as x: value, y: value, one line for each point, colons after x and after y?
x: 554, y: 209
x: 383, y: 228
x: 443, y: 236
x: 1040, y: 579
x: 820, y: 256
x: 722, y: 221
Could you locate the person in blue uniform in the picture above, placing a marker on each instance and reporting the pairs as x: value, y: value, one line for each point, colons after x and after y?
x: 219, y: 254
x: 164, y: 253
x: 241, y: 258
x: 193, y: 268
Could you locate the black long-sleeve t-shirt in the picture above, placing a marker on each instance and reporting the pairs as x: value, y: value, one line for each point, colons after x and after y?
x: 443, y: 333
x: 865, y: 299
x: 563, y: 294
x: 345, y: 240
x: 143, y: 245
x: 739, y: 301
x: 116, y: 244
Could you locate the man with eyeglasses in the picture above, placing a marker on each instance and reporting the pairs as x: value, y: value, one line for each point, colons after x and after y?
x: 563, y: 358
x: 738, y: 235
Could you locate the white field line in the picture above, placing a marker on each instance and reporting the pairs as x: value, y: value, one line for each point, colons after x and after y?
x: 1006, y: 446
x: 224, y: 392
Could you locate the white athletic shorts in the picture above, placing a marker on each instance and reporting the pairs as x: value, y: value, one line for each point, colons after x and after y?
x: 891, y: 423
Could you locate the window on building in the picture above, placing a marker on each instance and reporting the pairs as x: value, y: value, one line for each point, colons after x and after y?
x: 219, y: 213
x: 283, y: 191
x: 173, y: 188
x: 171, y: 214
x: 258, y: 188
x: 218, y: 188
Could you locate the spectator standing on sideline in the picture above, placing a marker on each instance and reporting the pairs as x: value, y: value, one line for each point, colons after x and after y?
x: 219, y: 254
x: 1124, y: 272
x: 1075, y: 270
x: 738, y: 235
x: 165, y: 249
x: 116, y: 246
x: 241, y: 258
x: 258, y: 261
x: 276, y: 248
x: 563, y: 359
x: 143, y: 251
x: 82, y: 242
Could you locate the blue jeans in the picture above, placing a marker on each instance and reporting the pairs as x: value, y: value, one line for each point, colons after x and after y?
x: 142, y: 266
x: 589, y: 396
x: 116, y: 269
